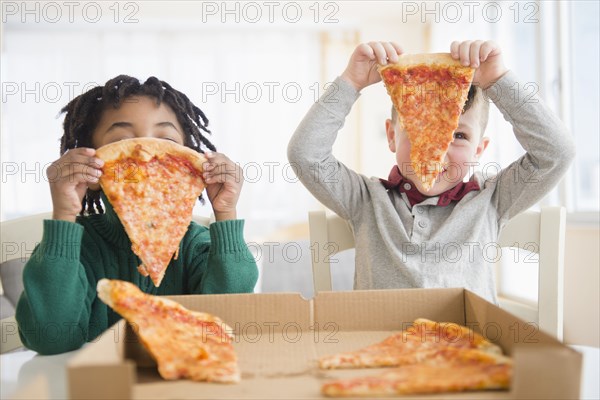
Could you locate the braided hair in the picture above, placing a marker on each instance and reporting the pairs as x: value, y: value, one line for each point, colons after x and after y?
x: 83, y: 114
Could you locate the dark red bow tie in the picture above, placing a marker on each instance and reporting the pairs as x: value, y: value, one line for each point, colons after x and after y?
x: 397, y: 182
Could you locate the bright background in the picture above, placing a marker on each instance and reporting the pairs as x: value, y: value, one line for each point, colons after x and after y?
x: 256, y: 67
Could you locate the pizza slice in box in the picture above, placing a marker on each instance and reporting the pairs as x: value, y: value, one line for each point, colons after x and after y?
x: 421, y: 341
x: 430, y: 357
x: 152, y: 184
x: 429, y: 92
x: 184, y: 343
x: 455, y: 370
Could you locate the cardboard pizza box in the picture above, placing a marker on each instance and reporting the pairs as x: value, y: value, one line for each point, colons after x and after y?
x: 280, y: 336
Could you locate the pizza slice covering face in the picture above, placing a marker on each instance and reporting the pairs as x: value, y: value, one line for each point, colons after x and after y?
x: 184, y: 343
x: 152, y: 184
x: 430, y: 357
x: 429, y: 92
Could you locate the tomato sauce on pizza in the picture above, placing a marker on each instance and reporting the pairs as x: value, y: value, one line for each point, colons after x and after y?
x: 429, y: 92
x: 152, y: 184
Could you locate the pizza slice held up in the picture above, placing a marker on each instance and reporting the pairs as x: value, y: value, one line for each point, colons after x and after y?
x: 152, y: 184
x: 429, y: 92
x: 184, y: 343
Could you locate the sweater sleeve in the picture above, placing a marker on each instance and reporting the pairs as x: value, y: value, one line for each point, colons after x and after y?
x: 546, y: 140
x: 218, y: 259
x: 54, y: 309
x: 310, y: 152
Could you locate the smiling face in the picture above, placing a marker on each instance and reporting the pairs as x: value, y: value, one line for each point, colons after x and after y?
x: 466, y: 148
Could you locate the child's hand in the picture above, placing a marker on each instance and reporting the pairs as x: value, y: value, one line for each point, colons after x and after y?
x: 224, y: 181
x: 69, y: 177
x: 362, y: 67
x: 485, y: 56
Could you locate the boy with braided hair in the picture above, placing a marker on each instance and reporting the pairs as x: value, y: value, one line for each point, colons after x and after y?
x: 85, y: 242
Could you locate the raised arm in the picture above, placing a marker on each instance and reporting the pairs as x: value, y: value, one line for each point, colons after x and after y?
x: 310, y: 148
x: 546, y: 140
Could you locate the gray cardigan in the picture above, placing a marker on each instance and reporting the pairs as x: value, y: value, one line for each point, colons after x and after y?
x: 430, y: 246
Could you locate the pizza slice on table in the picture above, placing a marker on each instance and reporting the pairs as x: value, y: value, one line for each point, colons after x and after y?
x: 184, y: 343
x: 429, y: 92
x: 152, y: 184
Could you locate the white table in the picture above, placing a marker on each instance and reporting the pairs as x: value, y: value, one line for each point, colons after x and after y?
x: 20, y: 369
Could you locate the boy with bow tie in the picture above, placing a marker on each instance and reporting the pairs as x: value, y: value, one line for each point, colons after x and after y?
x: 407, y: 237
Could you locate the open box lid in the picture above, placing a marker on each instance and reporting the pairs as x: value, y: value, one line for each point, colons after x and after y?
x: 280, y: 336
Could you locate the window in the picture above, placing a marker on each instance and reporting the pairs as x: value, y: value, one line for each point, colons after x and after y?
x: 553, y: 47
x: 585, y: 102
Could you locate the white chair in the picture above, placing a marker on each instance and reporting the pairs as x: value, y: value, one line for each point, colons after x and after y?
x: 544, y: 231
x: 330, y: 234
x: 19, y: 238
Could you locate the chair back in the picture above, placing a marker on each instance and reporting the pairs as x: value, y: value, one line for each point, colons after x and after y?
x: 19, y: 237
x: 543, y: 233
x: 329, y: 235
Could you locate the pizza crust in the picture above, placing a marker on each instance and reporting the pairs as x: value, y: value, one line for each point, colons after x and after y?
x: 150, y: 147
x: 411, y: 60
x: 104, y: 292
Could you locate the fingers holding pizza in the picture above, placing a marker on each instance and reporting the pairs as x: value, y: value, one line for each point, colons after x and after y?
x: 362, y: 67
x: 224, y: 180
x: 69, y: 178
x: 486, y: 56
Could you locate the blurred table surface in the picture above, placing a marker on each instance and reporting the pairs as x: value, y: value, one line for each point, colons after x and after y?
x: 27, y: 375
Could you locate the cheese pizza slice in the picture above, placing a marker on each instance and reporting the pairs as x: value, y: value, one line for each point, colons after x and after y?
x: 429, y: 92
x: 421, y: 341
x: 152, y: 184
x: 430, y: 357
x: 184, y: 343
x: 452, y: 370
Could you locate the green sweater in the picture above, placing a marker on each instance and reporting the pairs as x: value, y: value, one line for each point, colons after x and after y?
x: 59, y: 311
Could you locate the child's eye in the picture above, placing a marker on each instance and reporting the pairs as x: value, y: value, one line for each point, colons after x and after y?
x: 460, y: 135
